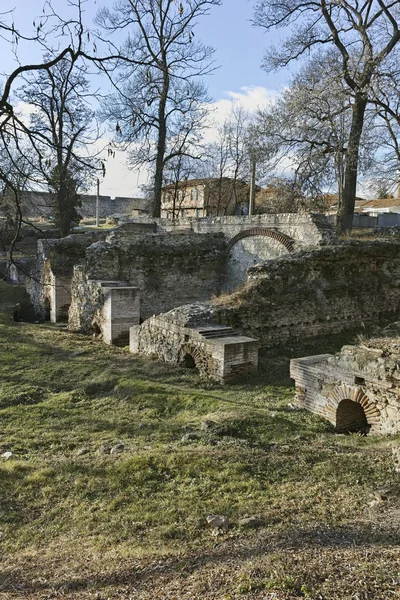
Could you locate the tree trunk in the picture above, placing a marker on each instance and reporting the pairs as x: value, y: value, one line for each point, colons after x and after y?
x: 64, y: 224
x: 162, y: 135
x: 346, y: 210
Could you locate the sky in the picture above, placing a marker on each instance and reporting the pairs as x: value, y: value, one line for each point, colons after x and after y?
x: 239, y: 48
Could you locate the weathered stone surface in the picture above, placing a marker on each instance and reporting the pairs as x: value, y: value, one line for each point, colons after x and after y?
x: 355, y: 389
x: 169, y: 270
x: 250, y: 522
x: 304, y: 228
x: 218, y: 521
x: 182, y: 337
x: 317, y: 292
x: 172, y: 262
x: 118, y: 448
x: 49, y: 285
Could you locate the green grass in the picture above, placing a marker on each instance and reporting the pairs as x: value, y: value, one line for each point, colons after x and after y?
x: 61, y: 393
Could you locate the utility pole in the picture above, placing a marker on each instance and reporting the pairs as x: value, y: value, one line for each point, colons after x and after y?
x: 252, y: 185
x: 97, y: 203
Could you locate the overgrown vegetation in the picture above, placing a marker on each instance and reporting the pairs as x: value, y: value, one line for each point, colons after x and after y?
x: 77, y: 521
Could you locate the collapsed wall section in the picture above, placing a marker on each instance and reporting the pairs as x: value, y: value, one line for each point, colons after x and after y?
x: 169, y: 270
x: 49, y: 283
x: 317, y: 292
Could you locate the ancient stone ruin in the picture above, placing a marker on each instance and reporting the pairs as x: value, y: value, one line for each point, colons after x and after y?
x: 189, y: 336
x: 314, y: 292
x: 107, y: 284
x: 157, y: 285
x: 49, y: 285
x: 357, y: 389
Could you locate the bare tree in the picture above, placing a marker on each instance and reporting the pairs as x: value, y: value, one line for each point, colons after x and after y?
x: 363, y: 34
x: 17, y: 141
x: 227, y: 162
x: 387, y: 127
x: 62, y: 124
x: 159, y: 100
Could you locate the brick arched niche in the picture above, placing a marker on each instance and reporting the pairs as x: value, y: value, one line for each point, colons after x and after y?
x: 350, y: 409
x: 250, y: 247
x: 195, y: 357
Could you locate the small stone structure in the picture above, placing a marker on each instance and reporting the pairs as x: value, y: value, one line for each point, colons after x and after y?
x: 357, y: 389
x: 119, y: 309
x: 49, y: 284
x: 181, y: 337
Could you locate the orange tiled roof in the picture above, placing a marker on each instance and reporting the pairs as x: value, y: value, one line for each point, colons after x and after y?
x: 381, y: 203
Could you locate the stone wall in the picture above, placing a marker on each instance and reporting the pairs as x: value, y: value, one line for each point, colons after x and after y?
x: 307, y: 229
x: 317, y: 292
x: 247, y: 252
x: 357, y: 389
x: 217, y: 352
x: 37, y: 205
x: 110, y: 206
x: 169, y: 270
x: 251, y: 240
x: 50, y: 276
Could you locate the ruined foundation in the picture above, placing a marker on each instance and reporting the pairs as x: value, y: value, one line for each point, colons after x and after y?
x: 179, y: 338
x: 357, y: 389
x: 316, y: 292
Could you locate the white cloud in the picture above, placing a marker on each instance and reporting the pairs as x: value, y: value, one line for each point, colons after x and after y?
x: 120, y: 180
x: 250, y: 98
x: 24, y: 111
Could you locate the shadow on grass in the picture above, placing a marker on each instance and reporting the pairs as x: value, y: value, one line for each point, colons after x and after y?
x: 336, y: 539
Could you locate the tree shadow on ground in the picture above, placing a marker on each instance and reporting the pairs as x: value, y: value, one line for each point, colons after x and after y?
x: 225, y: 555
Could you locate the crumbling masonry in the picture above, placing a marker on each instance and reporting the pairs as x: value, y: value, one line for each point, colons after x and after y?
x: 357, y: 389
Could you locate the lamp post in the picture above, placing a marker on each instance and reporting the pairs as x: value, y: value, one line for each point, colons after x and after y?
x: 252, y: 185
x: 97, y: 203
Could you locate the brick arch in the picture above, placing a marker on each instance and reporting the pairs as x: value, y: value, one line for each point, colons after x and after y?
x: 357, y: 395
x: 204, y: 362
x: 283, y: 239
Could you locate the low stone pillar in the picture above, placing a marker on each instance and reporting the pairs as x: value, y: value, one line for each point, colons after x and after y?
x: 134, y: 339
x: 121, y: 311
x: 60, y: 298
x: 239, y: 356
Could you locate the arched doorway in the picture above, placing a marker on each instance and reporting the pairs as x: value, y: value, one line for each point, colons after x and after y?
x: 189, y: 362
x: 348, y: 408
x: 252, y: 246
x: 351, y: 417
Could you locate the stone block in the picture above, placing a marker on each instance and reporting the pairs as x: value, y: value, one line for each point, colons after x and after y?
x: 121, y: 311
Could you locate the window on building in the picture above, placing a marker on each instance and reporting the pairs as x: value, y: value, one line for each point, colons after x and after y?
x: 194, y: 194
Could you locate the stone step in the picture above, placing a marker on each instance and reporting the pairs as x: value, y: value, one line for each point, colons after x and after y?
x: 113, y: 283
x: 218, y: 333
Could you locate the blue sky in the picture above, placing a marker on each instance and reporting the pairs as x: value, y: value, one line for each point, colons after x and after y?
x: 239, y: 48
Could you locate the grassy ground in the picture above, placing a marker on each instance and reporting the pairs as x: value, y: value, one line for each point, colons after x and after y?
x: 78, y: 522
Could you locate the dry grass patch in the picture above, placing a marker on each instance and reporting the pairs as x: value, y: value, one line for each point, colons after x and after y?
x: 79, y: 522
